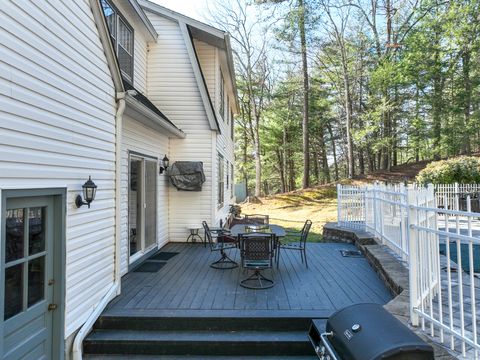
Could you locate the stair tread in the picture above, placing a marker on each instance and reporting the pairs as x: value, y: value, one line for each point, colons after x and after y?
x: 203, y: 336
x: 203, y: 357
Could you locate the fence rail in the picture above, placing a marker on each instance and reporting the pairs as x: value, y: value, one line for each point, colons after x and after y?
x: 439, y: 245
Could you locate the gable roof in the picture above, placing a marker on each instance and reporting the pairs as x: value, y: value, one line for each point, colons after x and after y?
x: 106, y: 40
x: 192, y: 28
x: 143, y: 19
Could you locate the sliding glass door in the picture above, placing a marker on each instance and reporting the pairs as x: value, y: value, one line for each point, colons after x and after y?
x: 142, y: 204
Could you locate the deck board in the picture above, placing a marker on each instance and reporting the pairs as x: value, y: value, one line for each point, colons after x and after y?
x: 187, y: 283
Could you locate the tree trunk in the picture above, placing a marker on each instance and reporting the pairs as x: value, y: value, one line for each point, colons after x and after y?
x: 306, y: 147
x: 467, y: 149
x: 258, y: 165
x: 281, y: 169
x: 334, y: 151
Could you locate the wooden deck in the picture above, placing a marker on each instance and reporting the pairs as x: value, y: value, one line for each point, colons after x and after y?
x: 187, y: 286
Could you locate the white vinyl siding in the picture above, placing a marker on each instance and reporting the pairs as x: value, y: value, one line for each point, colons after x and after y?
x: 143, y: 140
x: 173, y: 88
x: 207, y: 57
x: 57, y: 127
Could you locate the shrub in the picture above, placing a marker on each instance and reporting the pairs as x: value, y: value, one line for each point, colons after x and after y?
x: 462, y: 169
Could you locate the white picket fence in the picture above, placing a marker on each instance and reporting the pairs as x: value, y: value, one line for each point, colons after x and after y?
x: 439, y: 246
x: 453, y: 196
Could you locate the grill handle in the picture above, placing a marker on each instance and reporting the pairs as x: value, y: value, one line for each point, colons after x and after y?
x: 332, y: 355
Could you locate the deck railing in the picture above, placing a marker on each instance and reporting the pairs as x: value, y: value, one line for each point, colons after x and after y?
x: 440, y: 247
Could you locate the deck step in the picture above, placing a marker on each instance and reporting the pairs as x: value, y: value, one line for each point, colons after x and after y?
x: 237, y: 343
x: 202, y: 357
x: 252, y: 323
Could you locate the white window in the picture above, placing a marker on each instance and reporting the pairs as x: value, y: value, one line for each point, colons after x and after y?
x: 233, y: 179
x: 221, y: 180
x: 232, y: 127
x: 222, y: 96
x: 122, y: 38
x: 228, y: 111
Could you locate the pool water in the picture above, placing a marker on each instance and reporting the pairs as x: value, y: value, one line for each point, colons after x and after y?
x: 464, y: 257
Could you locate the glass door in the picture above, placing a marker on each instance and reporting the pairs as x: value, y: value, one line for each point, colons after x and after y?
x: 28, y: 274
x: 135, y: 207
x: 150, y: 203
x: 142, y: 205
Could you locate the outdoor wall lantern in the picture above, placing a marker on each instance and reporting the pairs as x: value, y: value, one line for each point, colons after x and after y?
x: 89, y: 191
x: 165, y: 162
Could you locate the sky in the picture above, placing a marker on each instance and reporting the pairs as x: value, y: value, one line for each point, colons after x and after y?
x: 191, y: 8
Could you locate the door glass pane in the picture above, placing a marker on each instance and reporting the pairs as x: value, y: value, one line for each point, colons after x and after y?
x: 13, y: 291
x: 14, y: 235
x: 134, y: 205
x: 151, y: 203
x: 36, y: 230
x: 36, y: 280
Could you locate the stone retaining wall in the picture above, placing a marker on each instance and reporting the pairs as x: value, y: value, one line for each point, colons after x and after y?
x: 390, y: 270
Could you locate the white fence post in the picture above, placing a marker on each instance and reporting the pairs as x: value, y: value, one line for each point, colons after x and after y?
x: 339, y: 205
x: 413, y: 253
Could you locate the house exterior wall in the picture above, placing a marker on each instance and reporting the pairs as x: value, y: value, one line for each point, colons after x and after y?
x: 57, y: 127
x: 173, y: 88
x: 207, y: 57
x: 141, y: 139
x: 223, y: 140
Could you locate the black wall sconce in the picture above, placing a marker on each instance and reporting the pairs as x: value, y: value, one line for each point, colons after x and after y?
x: 164, y: 164
x: 89, y: 191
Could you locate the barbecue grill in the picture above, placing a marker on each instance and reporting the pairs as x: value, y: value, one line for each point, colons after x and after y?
x: 366, y: 332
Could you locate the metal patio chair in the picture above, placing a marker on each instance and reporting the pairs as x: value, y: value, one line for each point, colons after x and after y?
x: 257, y: 219
x: 257, y: 251
x: 225, y: 262
x: 300, y: 245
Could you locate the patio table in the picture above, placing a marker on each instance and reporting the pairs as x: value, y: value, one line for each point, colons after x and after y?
x: 241, y: 229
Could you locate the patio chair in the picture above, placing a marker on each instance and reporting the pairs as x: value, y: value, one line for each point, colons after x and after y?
x: 300, y: 245
x: 257, y: 250
x: 257, y: 219
x: 225, y: 262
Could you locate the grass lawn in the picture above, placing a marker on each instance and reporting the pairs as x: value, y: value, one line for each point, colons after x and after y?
x: 290, y: 210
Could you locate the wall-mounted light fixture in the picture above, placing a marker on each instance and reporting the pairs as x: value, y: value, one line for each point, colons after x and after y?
x: 89, y: 191
x: 164, y: 164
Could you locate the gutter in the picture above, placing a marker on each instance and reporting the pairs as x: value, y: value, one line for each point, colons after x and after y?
x: 145, y: 111
x: 114, y: 290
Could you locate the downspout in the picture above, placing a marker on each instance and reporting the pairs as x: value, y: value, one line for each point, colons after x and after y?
x: 115, y: 288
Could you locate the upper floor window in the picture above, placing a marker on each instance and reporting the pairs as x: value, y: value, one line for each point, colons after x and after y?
x: 228, y: 111
x: 222, y: 96
x: 220, y: 180
x: 122, y: 38
x: 232, y: 125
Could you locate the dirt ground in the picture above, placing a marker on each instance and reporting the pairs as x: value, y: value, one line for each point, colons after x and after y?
x: 290, y: 210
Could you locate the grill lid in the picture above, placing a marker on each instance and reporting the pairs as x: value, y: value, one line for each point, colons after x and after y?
x: 369, y: 332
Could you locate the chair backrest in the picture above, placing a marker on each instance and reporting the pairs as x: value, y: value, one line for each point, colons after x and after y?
x: 257, y: 249
x: 257, y: 229
x: 305, y: 231
x: 208, y: 234
x: 257, y: 219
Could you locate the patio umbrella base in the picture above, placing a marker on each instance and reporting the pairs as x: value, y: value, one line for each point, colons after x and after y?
x: 224, y: 263
x: 257, y: 281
